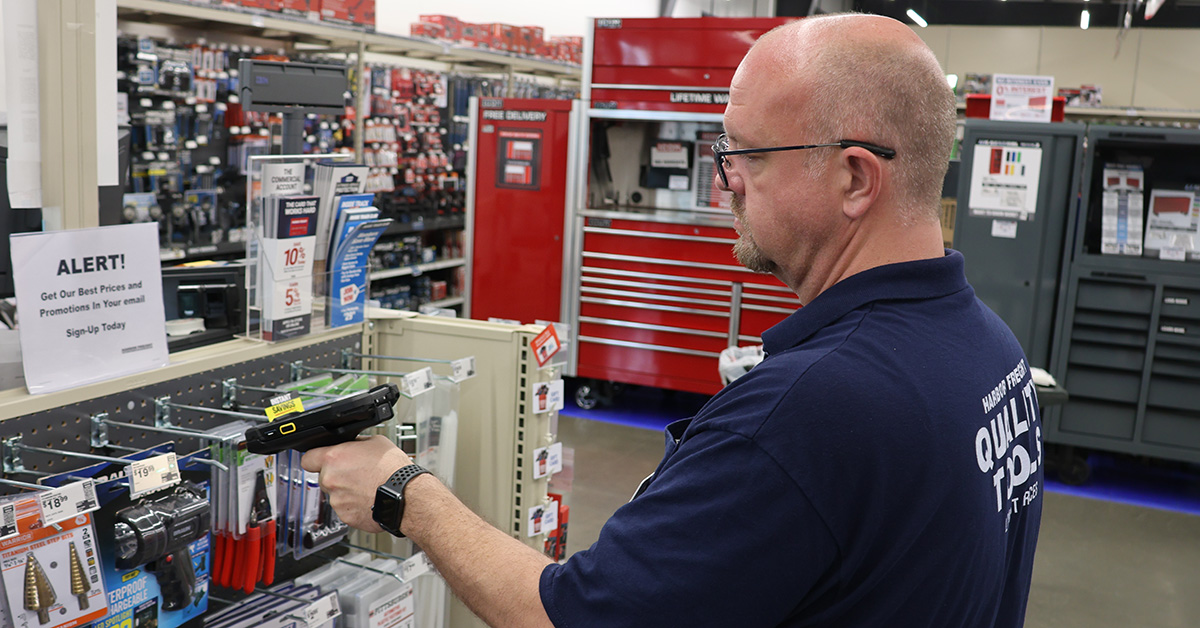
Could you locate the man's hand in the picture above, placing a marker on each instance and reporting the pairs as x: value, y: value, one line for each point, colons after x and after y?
x: 351, y: 472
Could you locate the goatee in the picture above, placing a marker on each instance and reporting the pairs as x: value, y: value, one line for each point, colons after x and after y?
x: 745, y: 249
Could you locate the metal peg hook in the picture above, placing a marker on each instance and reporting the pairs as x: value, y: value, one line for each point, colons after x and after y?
x: 284, y: 596
x: 378, y: 571
x: 13, y: 457
x: 279, y: 391
x: 347, y: 354
x: 369, y: 550
x: 174, y: 431
x: 164, y: 405
x: 36, y: 487
x: 297, y: 366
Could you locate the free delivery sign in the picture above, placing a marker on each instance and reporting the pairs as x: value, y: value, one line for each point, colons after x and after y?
x: 90, y: 304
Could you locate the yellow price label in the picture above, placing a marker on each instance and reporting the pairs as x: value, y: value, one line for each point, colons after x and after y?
x: 287, y: 407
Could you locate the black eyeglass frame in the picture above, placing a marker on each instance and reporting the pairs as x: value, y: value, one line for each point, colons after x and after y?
x: 719, y: 155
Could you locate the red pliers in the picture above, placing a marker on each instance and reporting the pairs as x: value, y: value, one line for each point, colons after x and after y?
x: 256, y: 558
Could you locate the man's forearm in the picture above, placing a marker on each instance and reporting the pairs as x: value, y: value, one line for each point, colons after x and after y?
x: 495, y: 575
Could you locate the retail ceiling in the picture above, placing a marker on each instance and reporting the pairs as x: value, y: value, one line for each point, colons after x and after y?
x: 1104, y: 13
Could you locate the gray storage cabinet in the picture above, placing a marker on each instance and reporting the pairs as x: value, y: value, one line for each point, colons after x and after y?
x: 1018, y: 274
x: 1128, y: 337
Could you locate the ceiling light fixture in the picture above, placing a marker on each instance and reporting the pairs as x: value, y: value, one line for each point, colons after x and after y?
x: 1085, y: 19
x: 915, y: 17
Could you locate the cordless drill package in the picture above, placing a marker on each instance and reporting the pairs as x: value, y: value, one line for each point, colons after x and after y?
x: 153, y: 548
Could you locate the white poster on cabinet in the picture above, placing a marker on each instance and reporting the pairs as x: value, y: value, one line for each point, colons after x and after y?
x: 1005, y: 176
x: 90, y: 304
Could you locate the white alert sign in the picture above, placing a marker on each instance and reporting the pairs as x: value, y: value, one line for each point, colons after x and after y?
x: 91, y: 305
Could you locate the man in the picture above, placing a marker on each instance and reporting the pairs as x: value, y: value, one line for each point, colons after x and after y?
x: 881, y: 467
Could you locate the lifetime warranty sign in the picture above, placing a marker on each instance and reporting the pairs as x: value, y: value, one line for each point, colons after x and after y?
x: 701, y: 98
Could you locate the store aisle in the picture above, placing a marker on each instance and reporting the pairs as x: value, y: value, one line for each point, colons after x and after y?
x: 1100, y: 563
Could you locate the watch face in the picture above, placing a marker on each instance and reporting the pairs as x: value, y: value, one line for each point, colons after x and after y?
x: 387, y: 509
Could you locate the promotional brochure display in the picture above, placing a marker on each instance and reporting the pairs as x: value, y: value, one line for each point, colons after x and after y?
x: 349, y: 270
x: 286, y: 264
x: 91, y: 304
x: 296, y: 237
x: 331, y: 180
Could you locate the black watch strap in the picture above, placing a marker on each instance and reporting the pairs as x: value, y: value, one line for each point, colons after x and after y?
x: 389, y: 498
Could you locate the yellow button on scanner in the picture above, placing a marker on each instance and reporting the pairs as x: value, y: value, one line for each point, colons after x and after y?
x: 287, y: 428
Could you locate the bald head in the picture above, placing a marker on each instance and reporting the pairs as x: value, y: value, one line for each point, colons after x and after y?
x: 861, y: 77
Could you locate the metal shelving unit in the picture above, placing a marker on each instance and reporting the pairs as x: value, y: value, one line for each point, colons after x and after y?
x: 451, y: 302
x: 417, y: 270
x: 335, y: 37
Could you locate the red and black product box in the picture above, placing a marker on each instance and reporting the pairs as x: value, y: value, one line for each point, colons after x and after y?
x: 308, y: 9
x: 349, y: 12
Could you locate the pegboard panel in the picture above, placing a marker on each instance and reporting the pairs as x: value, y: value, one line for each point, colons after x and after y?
x: 68, y: 427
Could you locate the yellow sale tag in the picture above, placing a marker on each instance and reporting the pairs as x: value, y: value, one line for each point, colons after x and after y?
x: 287, y: 407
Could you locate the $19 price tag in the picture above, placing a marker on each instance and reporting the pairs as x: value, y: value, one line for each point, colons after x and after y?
x: 152, y: 474
x: 68, y: 502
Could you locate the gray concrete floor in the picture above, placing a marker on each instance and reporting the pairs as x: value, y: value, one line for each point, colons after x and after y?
x: 1099, y: 564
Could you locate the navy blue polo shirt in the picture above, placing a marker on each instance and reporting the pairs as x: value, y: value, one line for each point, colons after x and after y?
x: 881, y: 467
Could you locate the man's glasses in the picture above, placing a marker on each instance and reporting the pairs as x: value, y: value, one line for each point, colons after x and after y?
x: 721, y: 151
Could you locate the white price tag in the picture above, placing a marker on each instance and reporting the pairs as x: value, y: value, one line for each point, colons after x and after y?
x: 1004, y: 229
x: 8, y: 521
x: 418, y: 382
x: 152, y: 474
x: 418, y: 565
x: 1173, y: 253
x: 68, y: 502
x: 322, y: 610
x: 464, y: 369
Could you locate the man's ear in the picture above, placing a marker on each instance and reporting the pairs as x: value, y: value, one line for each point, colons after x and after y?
x: 865, y: 182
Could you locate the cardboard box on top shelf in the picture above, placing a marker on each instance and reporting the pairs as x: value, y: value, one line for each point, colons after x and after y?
x: 308, y: 9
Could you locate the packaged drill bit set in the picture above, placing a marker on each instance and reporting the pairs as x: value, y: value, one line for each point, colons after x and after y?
x: 153, y: 549
x: 50, y: 573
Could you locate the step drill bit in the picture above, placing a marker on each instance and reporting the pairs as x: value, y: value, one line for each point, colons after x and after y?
x: 39, y: 595
x: 80, y: 587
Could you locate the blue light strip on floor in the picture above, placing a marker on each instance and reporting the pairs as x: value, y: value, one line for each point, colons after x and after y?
x: 1137, y: 484
x: 1113, y: 478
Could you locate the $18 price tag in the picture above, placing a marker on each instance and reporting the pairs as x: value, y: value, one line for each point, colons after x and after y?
x: 152, y: 474
x: 68, y: 502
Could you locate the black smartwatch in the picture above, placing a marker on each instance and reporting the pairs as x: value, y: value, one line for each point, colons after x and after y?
x: 389, y: 498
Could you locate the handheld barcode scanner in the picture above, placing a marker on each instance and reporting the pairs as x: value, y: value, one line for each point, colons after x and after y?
x: 156, y: 533
x: 336, y: 422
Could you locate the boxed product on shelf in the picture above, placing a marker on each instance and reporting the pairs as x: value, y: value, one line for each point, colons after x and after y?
x: 350, y: 12
x: 309, y: 9
x: 450, y: 26
x: 1122, y: 205
x: 265, y: 5
x: 1173, y: 224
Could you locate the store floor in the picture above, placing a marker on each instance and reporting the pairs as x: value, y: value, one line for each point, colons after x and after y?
x: 1122, y: 551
